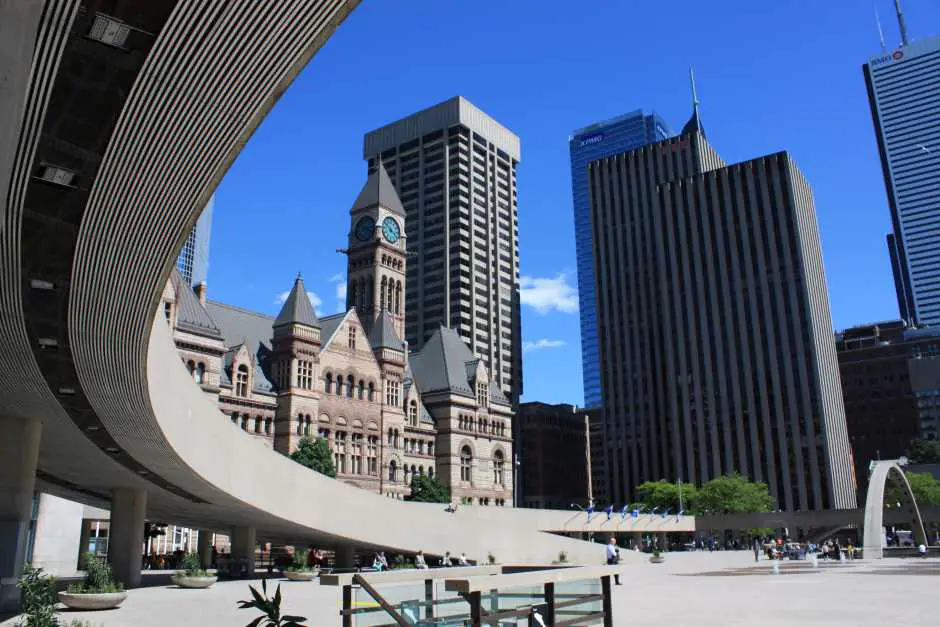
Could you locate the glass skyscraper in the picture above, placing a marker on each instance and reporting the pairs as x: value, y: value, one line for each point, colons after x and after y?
x: 904, y: 94
x: 603, y: 139
x: 193, y: 262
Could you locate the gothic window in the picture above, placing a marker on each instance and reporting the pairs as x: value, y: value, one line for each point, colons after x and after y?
x: 498, y: 466
x: 350, y: 386
x: 307, y: 425
x: 200, y: 373
x: 241, y: 381
x: 382, y: 293
x: 362, y: 389
x: 371, y: 391
x: 396, y: 438
x: 258, y: 424
x: 191, y: 367
x: 391, y: 437
x: 483, y: 395
x: 466, y: 458
x: 244, y: 422
x: 430, y: 448
x: 398, y: 297
x: 267, y: 426
x: 392, y: 471
x: 352, y: 337
x: 300, y: 424
x: 413, y: 413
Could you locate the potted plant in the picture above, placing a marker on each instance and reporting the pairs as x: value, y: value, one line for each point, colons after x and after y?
x: 99, y: 591
x: 192, y: 574
x: 298, y: 570
x: 657, y: 557
x: 270, y: 608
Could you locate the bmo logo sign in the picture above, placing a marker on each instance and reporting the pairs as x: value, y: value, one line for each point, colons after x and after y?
x: 897, y: 55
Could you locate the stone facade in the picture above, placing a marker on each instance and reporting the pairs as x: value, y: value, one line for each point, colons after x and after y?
x: 349, y: 378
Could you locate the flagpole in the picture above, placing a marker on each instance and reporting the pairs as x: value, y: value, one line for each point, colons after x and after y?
x: 680, y: 494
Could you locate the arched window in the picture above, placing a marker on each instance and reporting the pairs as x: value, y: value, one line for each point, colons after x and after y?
x: 267, y: 426
x: 259, y: 422
x: 339, y: 385
x: 382, y: 293
x: 397, y: 434
x: 362, y: 389
x: 234, y: 418
x: 430, y: 448
x: 413, y: 413
x: 466, y: 458
x: 391, y: 437
x: 241, y: 381
x: 371, y: 391
x: 200, y: 373
x: 431, y: 472
x: 392, y: 471
x: 350, y: 386
x: 414, y: 471
x: 406, y: 474
x: 398, y: 297
x: 190, y: 366
x: 328, y: 383
x: 499, y: 463
x: 307, y: 425
x: 300, y: 424
x: 244, y: 422
x: 421, y: 470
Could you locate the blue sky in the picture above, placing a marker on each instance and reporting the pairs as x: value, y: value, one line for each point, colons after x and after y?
x: 770, y: 75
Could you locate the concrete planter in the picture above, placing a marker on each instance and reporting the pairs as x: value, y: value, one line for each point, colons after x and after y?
x: 657, y: 559
x: 99, y: 601
x: 300, y: 575
x: 185, y: 581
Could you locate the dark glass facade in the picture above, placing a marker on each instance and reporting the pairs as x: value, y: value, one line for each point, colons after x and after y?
x: 597, y: 141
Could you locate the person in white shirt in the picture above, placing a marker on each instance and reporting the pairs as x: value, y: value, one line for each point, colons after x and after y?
x: 462, y: 561
x: 613, y: 556
x: 420, y: 564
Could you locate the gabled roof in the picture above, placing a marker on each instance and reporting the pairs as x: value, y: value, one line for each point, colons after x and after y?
x: 379, y: 191
x: 240, y: 326
x: 443, y: 365
x: 297, y: 308
x: 330, y: 324
x: 383, y: 334
x: 190, y: 314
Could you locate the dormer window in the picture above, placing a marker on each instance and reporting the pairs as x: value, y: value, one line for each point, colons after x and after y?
x: 352, y: 337
x: 241, y: 381
x: 413, y: 413
x: 483, y: 395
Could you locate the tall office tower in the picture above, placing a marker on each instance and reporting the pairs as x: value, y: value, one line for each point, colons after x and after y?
x: 596, y: 141
x: 716, y: 342
x: 454, y: 168
x: 193, y: 262
x: 905, y: 106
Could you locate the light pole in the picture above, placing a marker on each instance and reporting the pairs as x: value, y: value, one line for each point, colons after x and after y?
x: 515, y: 478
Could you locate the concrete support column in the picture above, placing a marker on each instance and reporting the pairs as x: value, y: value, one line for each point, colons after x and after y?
x: 345, y: 556
x: 58, y: 535
x: 243, y: 547
x: 205, y: 548
x: 19, y: 452
x: 126, y: 534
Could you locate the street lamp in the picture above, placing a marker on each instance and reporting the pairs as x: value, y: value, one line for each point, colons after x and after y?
x: 515, y: 479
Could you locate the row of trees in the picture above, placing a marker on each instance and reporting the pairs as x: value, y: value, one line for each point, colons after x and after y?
x: 728, y: 494
x: 315, y: 453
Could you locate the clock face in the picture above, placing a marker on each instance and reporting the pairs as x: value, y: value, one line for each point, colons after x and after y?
x: 391, y: 230
x: 365, y: 229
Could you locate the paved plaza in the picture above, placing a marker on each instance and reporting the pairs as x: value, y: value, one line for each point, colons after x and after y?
x: 722, y: 588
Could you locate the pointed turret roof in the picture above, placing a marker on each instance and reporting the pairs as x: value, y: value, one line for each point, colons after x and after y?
x: 297, y: 308
x: 383, y: 333
x: 190, y: 314
x: 695, y: 123
x: 379, y: 190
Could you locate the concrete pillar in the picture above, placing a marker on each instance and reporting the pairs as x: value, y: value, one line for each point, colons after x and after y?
x: 19, y: 452
x: 345, y: 556
x: 58, y: 535
x: 243, y: 547
x: 126, y: 534
x: 205, y: 548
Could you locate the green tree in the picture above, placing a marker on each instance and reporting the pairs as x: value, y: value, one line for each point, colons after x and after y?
x: 733, y: 494
x: 316, y: 455
x: 428, y: 490
x: 664, y: 495
x: 926, y: 490
x: 923, y: 451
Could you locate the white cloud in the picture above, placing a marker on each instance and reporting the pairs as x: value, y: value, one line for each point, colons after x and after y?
x: 542, y: 343
x: 546, y: 294
x: 341, y: 290
x: 315, y: 300
x: 336, y: 278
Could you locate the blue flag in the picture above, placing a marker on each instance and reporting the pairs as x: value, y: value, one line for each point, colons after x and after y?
x: 636, y: 513
x: 623, y: 512
x: 590, y: 511
x: 610, y: 511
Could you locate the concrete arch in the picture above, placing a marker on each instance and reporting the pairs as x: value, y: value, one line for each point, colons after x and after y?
x: 874, y: 508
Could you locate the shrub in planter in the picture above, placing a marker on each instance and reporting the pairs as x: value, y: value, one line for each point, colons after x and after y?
x: 298, y: 570
x: 99, y: 591
x: 270, y: 608
x: 39, y: 598
x: 657, y: 558
x: 193, y: 575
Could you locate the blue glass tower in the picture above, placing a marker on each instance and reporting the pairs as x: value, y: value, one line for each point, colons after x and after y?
x: 603, y: 139
x: 193, y: 262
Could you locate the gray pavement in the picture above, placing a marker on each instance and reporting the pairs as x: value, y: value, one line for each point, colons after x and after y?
x: 706, y: 589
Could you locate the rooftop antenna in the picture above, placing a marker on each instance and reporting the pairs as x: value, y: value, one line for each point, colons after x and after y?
x: 881, y: 33
x: 901, y: 24
x: 695, y: 101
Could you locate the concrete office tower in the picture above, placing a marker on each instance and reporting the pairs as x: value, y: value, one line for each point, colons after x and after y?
x: 596, y: 141
x: 193, y: 262
x: 454, y: 168
x: 905, y: 106
x: 716, y: 343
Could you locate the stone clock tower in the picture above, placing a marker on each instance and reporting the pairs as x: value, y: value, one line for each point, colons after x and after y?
x: 376, y: 253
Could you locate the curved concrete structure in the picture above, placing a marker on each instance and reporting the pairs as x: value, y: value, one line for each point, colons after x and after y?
x: 128, y: 123
x: 874, y: 508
